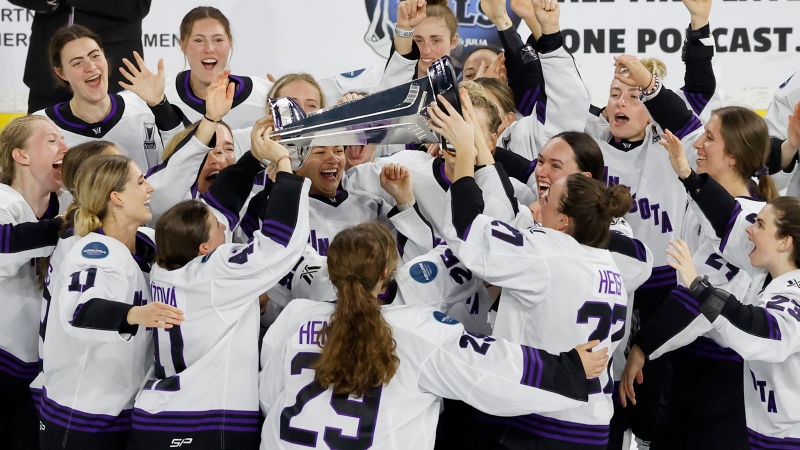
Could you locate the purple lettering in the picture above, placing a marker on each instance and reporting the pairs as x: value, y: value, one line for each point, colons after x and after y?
x: 761, y: 385
x: 772, y: 406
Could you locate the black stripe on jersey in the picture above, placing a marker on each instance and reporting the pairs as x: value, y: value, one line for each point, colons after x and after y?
x: 29, y: 235
x: 233, y: 185
x: 624, y: 245
x: 284, y: 205
x: 102, y: 314
x: 61, y: 114
x: 508, y: 187
x: 402, y: 239
x: 145, y: 253
x: 562, y: 374
x: 467, y: 203
x: 675, y: 314
x: 755, y: 320
x: 514, y: 165
x: 438, y: 174
x: 335, y: 201
x: 244, y: 87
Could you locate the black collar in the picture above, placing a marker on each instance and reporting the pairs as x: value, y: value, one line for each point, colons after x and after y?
x: 438, y: 174
x: 244, y: 87
x: 625, y: 145
x: 63, y: 117
x: 335, y: 201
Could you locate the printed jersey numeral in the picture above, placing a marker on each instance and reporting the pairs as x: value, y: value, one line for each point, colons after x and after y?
x: 241, y: 257
x: 364, y: 409
x: 507, y: 233
x: 459, y: 274
x: 76, y: 286
x: 716, y: 261
x: 471, y: 339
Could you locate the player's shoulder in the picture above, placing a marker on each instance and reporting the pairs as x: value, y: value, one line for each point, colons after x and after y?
x: 99, y: 250
x: 786, y: 285
x: 12, y: 205
x: 422, y: 321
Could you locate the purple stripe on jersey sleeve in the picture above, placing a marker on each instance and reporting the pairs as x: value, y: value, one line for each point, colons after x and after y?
x: 277, y: 232
x: 687, y: 301
x: 188, y: 421
x: 759, y: 441
x: 465, y: 235
x: 737, y: 209
x: 232, y: 218
x: 691, y: 125
x: 661, y: 276
x: 531, y: 367
x: 531, y: 168
x: 541, y: 108
x: 772, y: 326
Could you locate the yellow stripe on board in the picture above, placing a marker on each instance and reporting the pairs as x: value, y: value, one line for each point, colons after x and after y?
x: 8, y: 117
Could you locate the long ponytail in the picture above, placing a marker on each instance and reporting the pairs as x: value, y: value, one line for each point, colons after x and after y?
x: 358, y: 350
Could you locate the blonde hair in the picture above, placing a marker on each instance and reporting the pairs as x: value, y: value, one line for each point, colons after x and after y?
x: 655, y: 66
x: 99, y: 177
x: 480, y: 100
x: 15, y: 136
x: 177, y: 138
x: 281, y: 83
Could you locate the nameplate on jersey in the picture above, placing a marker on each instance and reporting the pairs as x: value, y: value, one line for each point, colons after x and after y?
x: 423, y: 272
x: 309, y: 335
x: 164, y: 294
x: 95, y: 250
x: 607, y: 282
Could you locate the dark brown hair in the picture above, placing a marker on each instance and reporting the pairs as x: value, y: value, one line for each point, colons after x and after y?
x: 358, y: 350
x: 441, y: 10
x: 590, y: 205
x: 586, y: 152
x: 179, y: 233
x: 200, y: 13
x: 787, y: 220
x: 747, y: 139
x: 61, y: 38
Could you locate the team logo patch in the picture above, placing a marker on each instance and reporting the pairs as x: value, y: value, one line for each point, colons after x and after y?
x: 444, y: 318
x: 424, y: 272
x: 95, y: 250
x: 353, y: 73
x: 149, y: 135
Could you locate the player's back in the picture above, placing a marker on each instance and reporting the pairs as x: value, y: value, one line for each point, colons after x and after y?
x: 403, y: 413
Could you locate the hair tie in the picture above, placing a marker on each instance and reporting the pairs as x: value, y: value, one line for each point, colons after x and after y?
x: 762, y: 171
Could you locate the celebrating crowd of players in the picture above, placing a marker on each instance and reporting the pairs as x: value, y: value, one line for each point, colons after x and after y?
x: 558, y: 275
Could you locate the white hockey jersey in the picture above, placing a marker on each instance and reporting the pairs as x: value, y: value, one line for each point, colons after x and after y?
x: 94, y: 362
x: 204, y: 385
x: 19, y: 284
x: 430, y: 183
x: 249, y: 104
x: 766, y: 336
x: 130, y: 125
x: 548, y: 280
x: 659, y: 198
x: 438, y: 358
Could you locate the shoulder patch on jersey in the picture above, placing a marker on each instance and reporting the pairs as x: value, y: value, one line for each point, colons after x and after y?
x: 444, y: 318
x: 353, y: 73
x: 95, y: 250
x: 423, y: 272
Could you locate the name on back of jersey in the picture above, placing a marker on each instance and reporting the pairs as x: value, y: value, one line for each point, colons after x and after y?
x: 163, y: 294
x: 310, y: 334
x: 607, y: 282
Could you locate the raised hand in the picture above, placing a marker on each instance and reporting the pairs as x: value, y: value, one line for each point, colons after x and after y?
x: 631, y: 72
x: 460, y: 131
x: 155, y: 315
x: 396, y: 181
x: 264, y: 148
x: 594, y: 363
x: 700, y: 10
x: 496, y: 70
x: 547, y: 14
x: 410, y: 13
x: 495, y: 10
x: 632, y: 371
x: 793, y: 129
x: 349, y: 97
x: 219, y: 96
x: 145, y: 84
x: 683, y: 261
x: 484, y: 155
x: 523, y: 8
x: 677, y: 156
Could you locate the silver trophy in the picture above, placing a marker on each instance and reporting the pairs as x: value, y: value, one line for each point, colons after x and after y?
x: 395, y: 116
